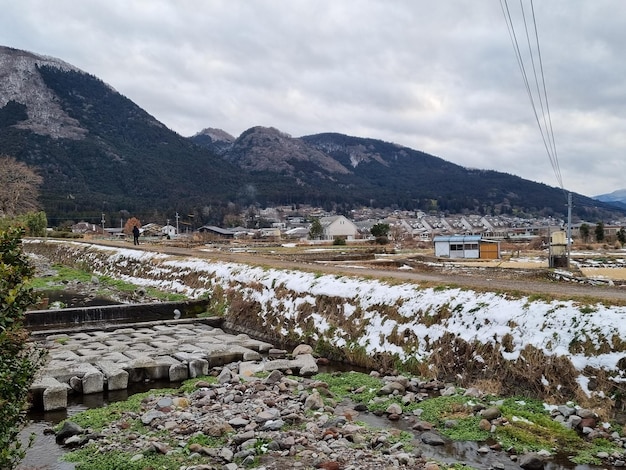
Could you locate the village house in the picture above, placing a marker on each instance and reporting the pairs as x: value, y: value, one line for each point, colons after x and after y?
x: 217, y: 232
x: 87, y: 228
x: 338, y: 227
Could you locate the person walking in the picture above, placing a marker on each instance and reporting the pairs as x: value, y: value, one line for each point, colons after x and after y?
x: 135, y: 235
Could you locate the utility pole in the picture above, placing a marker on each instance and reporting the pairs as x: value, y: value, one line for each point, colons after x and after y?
x: 569, y: 227
x: 177, y: 217
x: 102, y: 223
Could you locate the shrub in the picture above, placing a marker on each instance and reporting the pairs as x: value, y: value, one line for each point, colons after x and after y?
x: 19, y: 361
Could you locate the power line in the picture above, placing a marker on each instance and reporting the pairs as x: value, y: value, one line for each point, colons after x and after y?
x: 542, y: 115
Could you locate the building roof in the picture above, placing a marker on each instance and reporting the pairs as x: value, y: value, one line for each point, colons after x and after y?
x: 458, y: 238
x: 219, y: 230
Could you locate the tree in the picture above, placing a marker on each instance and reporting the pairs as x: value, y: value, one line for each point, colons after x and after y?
x: 380, y: 230
x: 19, y: 187
x: 584, y: 232
x: 621, y: 236
x: 19, y: 360
x: 130, y: 223
x: 600, y: 231
x: 316, y: 231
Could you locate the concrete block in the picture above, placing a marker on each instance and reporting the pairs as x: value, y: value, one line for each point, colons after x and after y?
x: 116, y: 377
x: 198, y: 368
x: 179, y: 372
x: 93, y: 382
x: 49, y: 393
x: 55, y: 398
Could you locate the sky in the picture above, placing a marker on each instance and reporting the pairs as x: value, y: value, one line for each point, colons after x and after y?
x: 441, y: 77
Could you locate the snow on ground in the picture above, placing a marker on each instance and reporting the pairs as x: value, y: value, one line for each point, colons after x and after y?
x: 474, y: 316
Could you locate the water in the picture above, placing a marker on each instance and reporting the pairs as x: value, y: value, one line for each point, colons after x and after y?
x: 45, y: 453
x: 66, y: 299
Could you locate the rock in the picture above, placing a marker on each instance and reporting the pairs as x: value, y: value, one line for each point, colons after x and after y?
x: 531, y: 461
x: 485, y: 425
x: 150, y: 416
x: 198, y: 368
x: 565, y: 410
x: 314, y: 401
x: 226, y: 376
x: 394, y: 409
x: 302, y: 349
x: 431, y: 466
x: 491, y: 413
x: 160, y: 448
x: 76, y: 384
x: 67, y: 430
x: 585, y: 413
x: 432, y: 439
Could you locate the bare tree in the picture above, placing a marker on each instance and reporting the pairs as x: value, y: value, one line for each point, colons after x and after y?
x: 19, y: 187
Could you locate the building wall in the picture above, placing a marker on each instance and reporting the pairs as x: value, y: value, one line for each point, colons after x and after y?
x: 341, y: 227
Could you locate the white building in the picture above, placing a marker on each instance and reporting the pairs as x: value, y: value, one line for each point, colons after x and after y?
x: 338, y: 226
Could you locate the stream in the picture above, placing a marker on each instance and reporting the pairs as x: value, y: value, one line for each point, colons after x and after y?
x: 45, y: 453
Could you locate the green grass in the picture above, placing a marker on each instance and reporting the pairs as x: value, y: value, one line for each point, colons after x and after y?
x: 88, y: 458
x: 64, y: 274
x: 344, y: 385
x: 529, y: 425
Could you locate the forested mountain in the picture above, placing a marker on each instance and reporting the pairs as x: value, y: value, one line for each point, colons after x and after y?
x: 341, y: 171
x: 99, y: 153
x: 616, y: 198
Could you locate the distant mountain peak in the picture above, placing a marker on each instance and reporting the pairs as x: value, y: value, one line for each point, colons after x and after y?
x: 269, y: 149
x: 216, y: 135
x: 617, y: 195
x: 22, y: 83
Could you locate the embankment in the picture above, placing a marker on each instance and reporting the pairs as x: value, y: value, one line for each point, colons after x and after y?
x: 538, y: 346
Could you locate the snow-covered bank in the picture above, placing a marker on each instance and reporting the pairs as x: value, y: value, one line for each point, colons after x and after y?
x: 552, y: 345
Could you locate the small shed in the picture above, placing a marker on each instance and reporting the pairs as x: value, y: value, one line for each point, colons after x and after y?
x: 558, y: 250
x: 466, y: 246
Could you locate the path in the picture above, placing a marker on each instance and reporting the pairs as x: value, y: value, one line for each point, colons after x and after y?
x: 484, y: 280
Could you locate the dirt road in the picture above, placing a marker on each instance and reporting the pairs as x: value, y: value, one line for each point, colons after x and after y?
x: 514, y: 281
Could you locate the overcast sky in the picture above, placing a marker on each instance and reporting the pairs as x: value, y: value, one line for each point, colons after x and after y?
x: 437, y: 76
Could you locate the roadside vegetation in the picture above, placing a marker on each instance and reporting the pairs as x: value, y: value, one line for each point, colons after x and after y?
x: 18, y: 359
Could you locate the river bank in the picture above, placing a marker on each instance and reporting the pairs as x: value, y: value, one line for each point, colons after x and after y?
x: 331, y: 301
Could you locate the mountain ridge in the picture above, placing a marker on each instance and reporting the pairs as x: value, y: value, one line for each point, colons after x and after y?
x: 100, y: 153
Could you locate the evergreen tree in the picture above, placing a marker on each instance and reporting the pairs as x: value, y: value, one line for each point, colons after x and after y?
x: 380, y: 230
x: 316, y: 231
x: 584, y: 232
x: 600, y: 232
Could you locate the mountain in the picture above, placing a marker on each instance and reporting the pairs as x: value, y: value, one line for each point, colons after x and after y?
x: 616, y: 198
x: 96, y: 150
x: 99, y: 153
x: 340, y: 170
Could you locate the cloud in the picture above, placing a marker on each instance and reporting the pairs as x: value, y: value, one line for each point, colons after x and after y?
x: 435, y: 76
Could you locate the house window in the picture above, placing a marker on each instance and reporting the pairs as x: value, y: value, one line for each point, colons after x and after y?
x: 456, y: 247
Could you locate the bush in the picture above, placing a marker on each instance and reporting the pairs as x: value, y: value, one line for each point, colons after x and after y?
x: 19, y: 361
x: 382, y: 240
